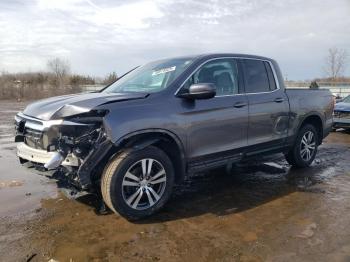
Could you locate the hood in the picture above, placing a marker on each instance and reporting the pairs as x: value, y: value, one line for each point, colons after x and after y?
x: 68, y: 105
x: 342, y: 106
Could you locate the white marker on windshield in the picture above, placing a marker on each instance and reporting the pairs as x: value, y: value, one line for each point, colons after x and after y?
x: 164, y: 70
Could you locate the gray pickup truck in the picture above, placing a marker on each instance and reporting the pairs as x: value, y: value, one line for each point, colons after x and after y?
x: 130, y: 142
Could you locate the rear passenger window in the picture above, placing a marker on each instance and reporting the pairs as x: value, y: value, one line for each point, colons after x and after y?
x: 271, y: 76
x: 255, y: 74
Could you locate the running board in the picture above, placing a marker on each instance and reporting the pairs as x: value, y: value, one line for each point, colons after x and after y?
x: 196, y: 167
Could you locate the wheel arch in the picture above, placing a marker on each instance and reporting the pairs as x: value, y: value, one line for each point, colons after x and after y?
x: 163, y: 139
x: 316, y: 120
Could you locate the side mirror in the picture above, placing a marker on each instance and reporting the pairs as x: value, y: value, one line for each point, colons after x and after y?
x: 200, y: 91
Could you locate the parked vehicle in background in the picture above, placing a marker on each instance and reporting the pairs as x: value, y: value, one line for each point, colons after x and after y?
x: 338, y: 98
x: 342, y: 114
x: 167, y: 119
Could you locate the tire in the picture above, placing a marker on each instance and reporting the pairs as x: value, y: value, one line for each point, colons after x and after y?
x: 297, y: 156
x: 131, y: 189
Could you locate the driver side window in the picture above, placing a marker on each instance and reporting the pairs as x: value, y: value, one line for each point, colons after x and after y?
x: 223, y: 73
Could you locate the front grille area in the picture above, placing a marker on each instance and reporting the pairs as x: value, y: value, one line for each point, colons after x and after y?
x: 28, y: 130
x: 342, y: 114
x: 34, y: 138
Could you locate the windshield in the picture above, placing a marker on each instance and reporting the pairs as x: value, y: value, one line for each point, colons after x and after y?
x: 346, y: 99
x: 152, y: 77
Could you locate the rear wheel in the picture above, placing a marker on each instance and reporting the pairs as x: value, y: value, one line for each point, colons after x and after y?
x: 303, y: 153
x: 136, y: 184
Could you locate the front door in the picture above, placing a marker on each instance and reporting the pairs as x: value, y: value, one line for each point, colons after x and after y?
x: 218, y: 124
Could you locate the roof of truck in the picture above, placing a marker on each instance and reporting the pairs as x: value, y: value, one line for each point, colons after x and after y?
x: 217, y: 55
x: 211, y: 55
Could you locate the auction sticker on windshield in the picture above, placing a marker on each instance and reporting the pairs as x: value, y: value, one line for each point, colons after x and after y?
x: 164, y: 70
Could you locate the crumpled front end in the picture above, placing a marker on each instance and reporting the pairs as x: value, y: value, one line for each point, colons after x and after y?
x: 71, y: 147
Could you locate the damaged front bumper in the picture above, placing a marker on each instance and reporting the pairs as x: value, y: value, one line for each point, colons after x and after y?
x: 43, y: 156
x: 73, y: 148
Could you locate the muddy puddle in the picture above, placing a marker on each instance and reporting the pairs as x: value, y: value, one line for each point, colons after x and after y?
x: 20, y: 191
x: 255, y: 212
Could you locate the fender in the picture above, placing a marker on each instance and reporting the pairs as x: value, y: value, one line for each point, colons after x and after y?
x: 301, y: 119
x: 137, y: 140
x: 120, y: 141
x: 312, y: 113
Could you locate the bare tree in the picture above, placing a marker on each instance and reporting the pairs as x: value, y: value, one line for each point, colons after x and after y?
x: 60, y: 68
x: 335, y: 62
x: 110, y: 78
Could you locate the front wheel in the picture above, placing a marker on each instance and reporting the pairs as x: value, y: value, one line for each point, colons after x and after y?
x: 136, y: 184
x: 303, y: 153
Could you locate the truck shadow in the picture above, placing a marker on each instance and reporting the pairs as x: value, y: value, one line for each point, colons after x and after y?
x: 246, y: 186
x: 251, y: 184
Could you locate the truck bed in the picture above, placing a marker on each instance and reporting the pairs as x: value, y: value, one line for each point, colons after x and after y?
x: 306, y: 101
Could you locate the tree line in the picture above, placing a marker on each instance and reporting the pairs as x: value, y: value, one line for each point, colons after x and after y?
x: 57, y: 80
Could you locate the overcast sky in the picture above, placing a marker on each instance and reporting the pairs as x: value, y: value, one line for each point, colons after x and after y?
x: 98, y: 37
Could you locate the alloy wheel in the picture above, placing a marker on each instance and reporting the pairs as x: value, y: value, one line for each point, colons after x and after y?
x: 307, y: 146
x: 144, y: 184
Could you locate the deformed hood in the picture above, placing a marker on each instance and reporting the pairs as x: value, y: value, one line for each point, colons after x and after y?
x: 63, y: 106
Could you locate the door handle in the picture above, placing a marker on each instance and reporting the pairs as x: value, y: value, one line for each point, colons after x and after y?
x: 279, y: 100
x: 240, y: 104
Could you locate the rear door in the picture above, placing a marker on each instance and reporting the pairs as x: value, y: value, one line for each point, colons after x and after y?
x: 268, y: 105
x: 218, y: 124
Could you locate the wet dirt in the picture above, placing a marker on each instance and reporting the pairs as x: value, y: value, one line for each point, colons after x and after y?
x: 256, y: 212
x: 20, y: 190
